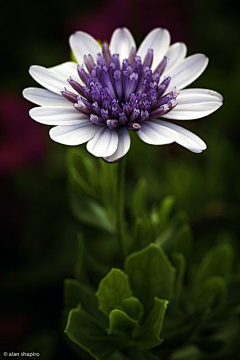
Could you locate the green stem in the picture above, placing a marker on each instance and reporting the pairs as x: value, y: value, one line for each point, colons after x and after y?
x: 120, y: 210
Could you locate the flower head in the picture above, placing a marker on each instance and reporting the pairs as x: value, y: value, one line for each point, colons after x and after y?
x: 116, y: 88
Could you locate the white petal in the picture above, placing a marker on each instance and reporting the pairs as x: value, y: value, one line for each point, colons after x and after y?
x: 82, y: 44
x: 67, y: 70
x: 214, y: 95
x: 193, y: 111
x: 186, y: 138
x: 187, y: 71
x: 55, y: 115
x: 158, y: 40
x: 49, y: 79
x: 45, y: 97
x: 152, y: 132
x: 73, y: 134
x: 176, y: 53
x: 121, y: 43
x: 194, y: 104
x: 123, y: 145
x: 104, y: 143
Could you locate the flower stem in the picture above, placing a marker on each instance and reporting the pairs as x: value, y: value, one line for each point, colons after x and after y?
x: 120, y: 210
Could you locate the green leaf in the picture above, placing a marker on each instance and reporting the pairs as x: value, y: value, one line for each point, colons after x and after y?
x: 90, y: 213
x: 180, y: 265
x: 84, y: 331
x: 148, y: 335
x: 108, y: 186
x: 212, y: 293
x: 184, y: 242
x: 120, y: 321
x: 150, y: 274
x: 188, y: 352
x: 112, y: 290
x: 82, y: 170
x: 76, y: 293
x: 168, y: 236
x: 216, y: 262
x: 138, y: 203
x: 165, y: 210
x: 133, y: 307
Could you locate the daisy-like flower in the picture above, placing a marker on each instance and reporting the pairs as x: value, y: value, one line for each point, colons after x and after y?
x: 116, y: 88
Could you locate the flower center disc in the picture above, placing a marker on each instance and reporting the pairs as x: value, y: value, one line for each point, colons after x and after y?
x: 126, y: 95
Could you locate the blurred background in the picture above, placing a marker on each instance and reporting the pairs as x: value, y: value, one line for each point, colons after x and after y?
x: 38, y: 237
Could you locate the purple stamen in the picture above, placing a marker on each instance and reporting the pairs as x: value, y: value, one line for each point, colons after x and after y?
x: 148, y: 58
x: 82, y: 74
x: 76, y: 86
x: 95, y: 120
x: 106, y: 53
x: 112, y: 124
x: 83, y: 109
x: 70, y: 96
x: 162, y: 66
x: 127, y: 94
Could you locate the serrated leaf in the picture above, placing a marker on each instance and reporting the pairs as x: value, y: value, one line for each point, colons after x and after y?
x: 112, y: 290
x: 148, y: 335
x: 119, y: 321
x: 151, y: 274
x: 76, y: 293
x: 133, y: 307
x: 138, y: 203
x: 216, y: 262
x: 83, y: 330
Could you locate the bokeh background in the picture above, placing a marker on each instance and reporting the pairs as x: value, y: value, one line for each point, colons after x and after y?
x: 38, y: 236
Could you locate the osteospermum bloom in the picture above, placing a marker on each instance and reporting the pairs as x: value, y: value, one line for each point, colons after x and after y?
x: 116, y: 88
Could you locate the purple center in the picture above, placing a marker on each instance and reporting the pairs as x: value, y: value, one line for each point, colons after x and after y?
x: 116, y: 96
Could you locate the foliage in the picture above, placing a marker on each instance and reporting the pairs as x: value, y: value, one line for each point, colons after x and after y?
x: 165, y: 301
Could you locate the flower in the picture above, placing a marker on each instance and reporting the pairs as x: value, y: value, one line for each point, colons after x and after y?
x: 117, y: 88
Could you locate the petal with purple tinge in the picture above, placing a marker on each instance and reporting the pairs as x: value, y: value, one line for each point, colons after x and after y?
x: 186, y: 138
x: 82, y: 44
x: 158, y: 40
x: 123, y: 145
x: 67, y: 70
x: 121, y: 43
x: 45, y: 97
x: 55, y: 115
x: 74, y: 134
x: 49, y: 79
x: 187, y: 71
x: 104, y: 143
x: 152, y: 132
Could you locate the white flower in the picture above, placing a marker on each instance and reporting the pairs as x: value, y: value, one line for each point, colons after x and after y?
x: 117, y: 88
